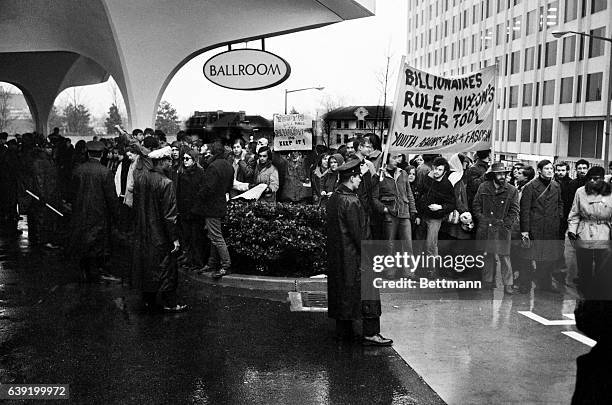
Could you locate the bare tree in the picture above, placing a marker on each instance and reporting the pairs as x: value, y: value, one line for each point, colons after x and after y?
x: 5, y: 110
x: 329, y: 104
x: 382, y: 76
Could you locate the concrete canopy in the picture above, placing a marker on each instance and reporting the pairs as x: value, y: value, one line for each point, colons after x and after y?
x: 49, y: 45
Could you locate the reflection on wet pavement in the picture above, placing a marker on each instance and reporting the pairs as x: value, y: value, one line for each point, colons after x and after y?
x: 484, y: 349
x: 227, y: 349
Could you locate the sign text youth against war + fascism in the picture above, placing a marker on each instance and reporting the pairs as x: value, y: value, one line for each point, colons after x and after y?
x: 441, y: 114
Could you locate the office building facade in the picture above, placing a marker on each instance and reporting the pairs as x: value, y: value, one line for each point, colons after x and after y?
x: 552, y: 92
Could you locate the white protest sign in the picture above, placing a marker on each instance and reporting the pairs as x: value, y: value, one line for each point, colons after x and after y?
x: 291, y: 132
x: 443, y: 114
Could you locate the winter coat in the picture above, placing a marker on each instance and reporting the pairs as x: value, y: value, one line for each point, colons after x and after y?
x: 541, y: 213
x: 436, y: 192
x: 567, y: 197
x: 153, y: 268
x: 95, y: 203
x: 295, y: 176
x: 218, y: 181
x: 315, y: 181
x: 9, y: 181
x: 590, y: 219
x: 495, y: 210
x: 395, y: 194
x: 267, y: 175
x: 347, y: 226
x: 189, y: 182
x: 474, y: 176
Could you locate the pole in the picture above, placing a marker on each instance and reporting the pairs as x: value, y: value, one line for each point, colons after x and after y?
x: 47, y: 205
x: 286, y: 100
x: 608, y: 120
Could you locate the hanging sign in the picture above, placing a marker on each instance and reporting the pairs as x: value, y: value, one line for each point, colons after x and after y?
x: 246, y: 69
x: 443, y: 114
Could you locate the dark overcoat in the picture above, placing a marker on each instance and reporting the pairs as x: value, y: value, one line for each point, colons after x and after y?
x: 495, y: 210
x: 541, y: 213
x: 153, y: 268
x: 218, y: 180
x: 94, y: 204
x: 347, y: 226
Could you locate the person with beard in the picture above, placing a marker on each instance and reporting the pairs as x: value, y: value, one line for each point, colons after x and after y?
x: 211, y: 204
x: 541, y: 213
x: 589, y: 230
x: 582, y: 167
x: 189, y: 182
x: 154, y: 268
x: 347, y: 227
x: 563, y: 178
x: 93, y: 208
x: 496, y: 208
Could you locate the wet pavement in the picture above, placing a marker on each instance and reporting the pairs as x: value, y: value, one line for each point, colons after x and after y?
x: 233, y: 347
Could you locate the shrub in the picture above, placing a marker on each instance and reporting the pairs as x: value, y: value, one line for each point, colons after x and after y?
x: 276, y: 239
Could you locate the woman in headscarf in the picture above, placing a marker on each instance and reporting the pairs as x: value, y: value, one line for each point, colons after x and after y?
x: 329, y: 181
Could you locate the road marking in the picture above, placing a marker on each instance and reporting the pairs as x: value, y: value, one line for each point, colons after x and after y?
x: 548, y: 322
x: 581, y: 338
x: 571, y: 321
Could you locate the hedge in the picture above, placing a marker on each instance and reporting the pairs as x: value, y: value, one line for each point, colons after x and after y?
x: 279, y: 239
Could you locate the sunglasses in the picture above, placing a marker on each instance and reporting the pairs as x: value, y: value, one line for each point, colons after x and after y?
x: 187, y: 158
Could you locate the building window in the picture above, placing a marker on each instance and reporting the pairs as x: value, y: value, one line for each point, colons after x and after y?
x: 465, y: 19
x: 593, y: 87
x: 516, y: 62
x: 539, y: 60
x: 346, y: 138
x: 552, y: 14
x: 585, y: 139
x: 579, y: 89
x: 542, y: 19
x: 499, y: 34
x: 530, y: 23
x: 534, y: 127
x: 546, y: 130
x: 487, y: 38
x: 537, y: 94
x: 569, y: 49
x: 567, y: 84
x: 346, y: 125
x: 501, y: 130
x: 571, y: 10
x: 511, y: 130
x: 473, y: 43
x: 486, y: 5
x: 551, y: 53
x: 597, y: 6
x: 338, y: 138
x: 464, y: 47
x: 548, y: 92
x: 525, y: 130
x: 513, y: 102
x: 529, y: 58
x: 361, y: 124
x: 475, y: 15
x: 596, y: 46
x: 516, y: 28
x: 500, y: 5
x: 527, y: 94
x: 338, y: 124
x: 497, y: 122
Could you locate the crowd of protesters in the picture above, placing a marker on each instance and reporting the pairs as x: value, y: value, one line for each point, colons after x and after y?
x: 170, y: 198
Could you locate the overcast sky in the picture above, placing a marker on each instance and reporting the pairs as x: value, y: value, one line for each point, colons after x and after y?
x: 344, y: 58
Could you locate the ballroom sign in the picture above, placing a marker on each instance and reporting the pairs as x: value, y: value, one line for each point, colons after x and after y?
x: 246, y: 69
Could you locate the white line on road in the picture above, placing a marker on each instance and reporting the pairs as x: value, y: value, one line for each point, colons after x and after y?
x: 581, y: 338
x: 547, y: 322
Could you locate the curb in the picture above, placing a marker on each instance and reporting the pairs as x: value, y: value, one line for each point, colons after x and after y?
x: 262, y: 283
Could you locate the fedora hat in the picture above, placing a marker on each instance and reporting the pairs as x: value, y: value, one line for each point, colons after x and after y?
x: 498, y: 167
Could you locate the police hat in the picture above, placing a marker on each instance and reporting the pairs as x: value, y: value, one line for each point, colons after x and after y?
x: 95, y: 146
x: 351, y: 167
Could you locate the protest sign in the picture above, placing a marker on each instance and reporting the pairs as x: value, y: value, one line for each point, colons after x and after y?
x: 291, y: 132
x: 436, y: 114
